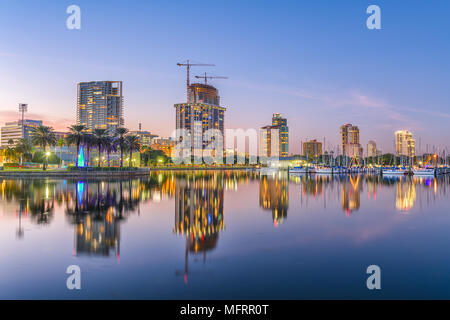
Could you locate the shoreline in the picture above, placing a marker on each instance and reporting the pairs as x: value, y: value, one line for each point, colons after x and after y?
x: 115, y: 174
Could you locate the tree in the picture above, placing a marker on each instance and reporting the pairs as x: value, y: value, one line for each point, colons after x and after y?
x: 89, y: 143
x: 24, y: 147
x: 132, y: 144
x: 43, y: 136
x: 154, y: 157
x: 110, y: 146
x: 75, y: 137
x: 100, y: 139
x: 61, y: 143
x: 121, y: 132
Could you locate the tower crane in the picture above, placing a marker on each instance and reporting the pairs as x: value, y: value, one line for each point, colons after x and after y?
x: 206, y: 77
x: 188, y: 66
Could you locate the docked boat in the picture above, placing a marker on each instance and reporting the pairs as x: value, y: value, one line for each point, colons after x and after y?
x: 424, y: 172
x: 324, y: 170
x: 302, y: 170
x: 394, y: 171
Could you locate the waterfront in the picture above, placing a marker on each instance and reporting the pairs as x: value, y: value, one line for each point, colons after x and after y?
x: 225, y: 234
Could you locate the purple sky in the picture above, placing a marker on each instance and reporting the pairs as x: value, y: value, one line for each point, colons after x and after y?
x: 314, y: 62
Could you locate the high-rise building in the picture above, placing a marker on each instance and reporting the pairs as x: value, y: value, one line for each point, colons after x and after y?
x: 405, y: 145
x: 202, y: 113
x: 274, y: 139
x: 372, y: 149
x: 15, y: 131
x: 350, y: 141
x: 312, y: 148
x: 269, y: 138
x: 278, y: 120
x: 100, y: 105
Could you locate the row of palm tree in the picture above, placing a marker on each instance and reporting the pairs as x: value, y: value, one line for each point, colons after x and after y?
x: 104, y: 141
x: 100, y: 139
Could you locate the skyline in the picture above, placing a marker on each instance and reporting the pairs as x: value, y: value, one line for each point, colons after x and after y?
x: 305, y: 72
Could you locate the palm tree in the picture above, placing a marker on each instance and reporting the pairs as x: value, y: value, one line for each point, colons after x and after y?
x: 89, y: 142
x: 43, y: 136
x: 75, y: 137
x: 133, y: 144
x: 100, y: 139
x: 24, y: 147
x: 61, y: 143
x: 110, y: 146
x: 121, y: 132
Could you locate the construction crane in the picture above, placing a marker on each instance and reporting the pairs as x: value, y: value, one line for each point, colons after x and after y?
x: 206, y: 77
x: 188, y: 66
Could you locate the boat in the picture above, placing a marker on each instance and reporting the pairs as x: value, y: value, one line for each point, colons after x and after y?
x: 393, y: 171
x: 302, y: 170
x: 424, y: 172
x: 324, y: 170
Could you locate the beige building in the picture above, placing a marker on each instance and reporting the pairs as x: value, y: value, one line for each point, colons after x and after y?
x: 145, y: 137
x: 269, y: 142
x: 312, y: 148
x: 372, y: 149
x: 350, y: 141
x: 405, y: 145
x: 15, y: 131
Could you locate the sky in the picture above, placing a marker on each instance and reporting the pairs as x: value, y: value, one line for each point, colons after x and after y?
x: 316, y: 62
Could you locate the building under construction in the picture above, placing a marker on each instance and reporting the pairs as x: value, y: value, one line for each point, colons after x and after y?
x: 200, y: 113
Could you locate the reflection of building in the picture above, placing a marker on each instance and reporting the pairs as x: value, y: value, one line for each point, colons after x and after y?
x: 201, y: 113
x: 351, y: 197
x: 100, y: 105
x: 405, y: 145
x: 15, y: 131
x: 97, y: 216
x: 274, y: 195
x: 199, y: 211
x: 406, y: 195
x: 312, y: 149
x: 350, y: 141
x: 98, y: 235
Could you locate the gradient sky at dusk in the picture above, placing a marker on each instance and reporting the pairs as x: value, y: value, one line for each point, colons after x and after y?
x: 313, y: 61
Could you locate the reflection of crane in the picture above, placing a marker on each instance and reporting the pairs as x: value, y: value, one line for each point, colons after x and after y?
x: 206, y: 77
x: 188, y: 66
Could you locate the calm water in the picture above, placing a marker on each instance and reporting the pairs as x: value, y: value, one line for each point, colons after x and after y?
x: 225, y: 235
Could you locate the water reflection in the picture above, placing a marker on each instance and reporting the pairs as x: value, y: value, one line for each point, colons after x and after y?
x: 98, y: 208
x: 274, y: 196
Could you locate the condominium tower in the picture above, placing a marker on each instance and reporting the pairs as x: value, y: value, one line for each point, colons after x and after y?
x: 350, y: 141
x: 274, y: 139
x: 405, y: 145
x: 100, y: 105
x: 371, y: 149
x: 312, y: 149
